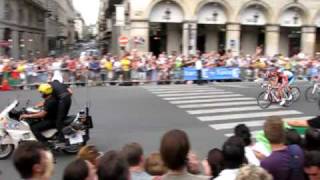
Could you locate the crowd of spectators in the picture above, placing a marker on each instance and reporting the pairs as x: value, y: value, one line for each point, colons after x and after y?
x: 140, y: 67
x: 289, y: 157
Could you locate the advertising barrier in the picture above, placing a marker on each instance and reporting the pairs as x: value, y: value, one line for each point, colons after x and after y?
x: 217, y: 73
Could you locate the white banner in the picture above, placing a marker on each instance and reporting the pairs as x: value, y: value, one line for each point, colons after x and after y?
x: 120, y: 15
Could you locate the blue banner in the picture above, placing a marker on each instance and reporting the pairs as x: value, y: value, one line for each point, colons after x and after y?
x: 217, y: 73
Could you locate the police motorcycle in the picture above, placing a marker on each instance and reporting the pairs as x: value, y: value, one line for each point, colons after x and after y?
x: 13, y: 131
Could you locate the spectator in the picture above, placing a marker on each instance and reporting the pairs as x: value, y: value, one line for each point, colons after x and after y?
x: 193, y: 166
x: 134, y: 154
x: 154, y: 165
x: 113, y: 166
x: 243, y: 132
x: 125, y: 65
x: 174, y: 151
x: 293, y: 137
x: 285, y: 162
x: 80, y: 169
x: 213, y: 164
x: 312, y: 139
x: 312, y: 165
x: 252, y: 172
x: 33, y: 160
x: 89, y: 153
x: 233, y: 157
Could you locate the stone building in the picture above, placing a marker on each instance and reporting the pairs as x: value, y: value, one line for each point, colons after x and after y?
x: 184, y: 26
x: 60, y: 24
x: 22, y: 28
x: 29, y: 28
x: 79, y: 27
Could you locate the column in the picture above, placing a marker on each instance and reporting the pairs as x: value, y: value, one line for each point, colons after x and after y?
x: 233, y: 38
x: 272, y: 40
x: 189, y: 38
x: 140, y: 30
x: 185, y: 39
x: 15, y: 45
x: 193, y: 38
x: 308, y: 40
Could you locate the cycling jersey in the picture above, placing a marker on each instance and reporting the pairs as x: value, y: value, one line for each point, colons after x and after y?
x: 290, y: 75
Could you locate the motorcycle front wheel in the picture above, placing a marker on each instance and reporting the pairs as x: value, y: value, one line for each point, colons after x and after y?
x: 73, y: 149
x: 6, y: 150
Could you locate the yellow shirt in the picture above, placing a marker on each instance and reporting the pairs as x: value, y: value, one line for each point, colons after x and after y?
x: 20, y: 68
x: 125, y: 63
x: 108, y: 65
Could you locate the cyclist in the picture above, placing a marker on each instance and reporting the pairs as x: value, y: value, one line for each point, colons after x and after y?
x: 277, y: 81
x: 285, y: 79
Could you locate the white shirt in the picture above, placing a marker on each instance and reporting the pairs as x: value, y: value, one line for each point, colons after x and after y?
x: 227, y: 174
x: 251, y: 157
x: 199, y: 64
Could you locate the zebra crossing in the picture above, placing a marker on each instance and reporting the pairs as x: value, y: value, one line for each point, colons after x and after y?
x: 221, y: 110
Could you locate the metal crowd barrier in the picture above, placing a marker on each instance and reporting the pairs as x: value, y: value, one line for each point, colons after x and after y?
x: 90, y: 78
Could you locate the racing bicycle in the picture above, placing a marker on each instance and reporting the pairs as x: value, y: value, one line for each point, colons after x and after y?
x: 269, y: 96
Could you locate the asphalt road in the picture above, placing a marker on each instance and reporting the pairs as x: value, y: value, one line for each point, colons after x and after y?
x: 144, y: 113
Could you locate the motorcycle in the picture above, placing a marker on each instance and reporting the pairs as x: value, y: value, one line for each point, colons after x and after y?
x: 14, y: 131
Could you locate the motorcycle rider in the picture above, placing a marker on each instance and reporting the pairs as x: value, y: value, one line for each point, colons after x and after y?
x: 46, y: 118
x: 63, y: 95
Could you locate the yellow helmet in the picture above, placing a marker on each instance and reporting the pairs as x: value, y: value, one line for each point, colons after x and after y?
x: 45, y: 89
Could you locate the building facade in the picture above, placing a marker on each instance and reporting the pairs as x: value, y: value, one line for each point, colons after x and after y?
x: 60, y: 24
x: 185, y: 26
x: 79, y: 27
x: 22, y: 28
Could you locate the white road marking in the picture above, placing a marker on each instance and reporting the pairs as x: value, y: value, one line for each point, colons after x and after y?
x: 198, y: 97
x: 235, y: 86
x: 217, y: 104
x: 187, y: 91
x: 192, y: 94
x: 211, y: 100
x: 248, y: 115
x: 232, y: 109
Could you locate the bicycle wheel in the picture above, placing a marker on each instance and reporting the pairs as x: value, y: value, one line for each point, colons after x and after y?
x: 296, y: 93
x: 310, y: 95
x: 264, y: 100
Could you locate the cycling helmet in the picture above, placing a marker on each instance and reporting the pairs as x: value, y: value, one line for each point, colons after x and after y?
x: 45, y: 89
